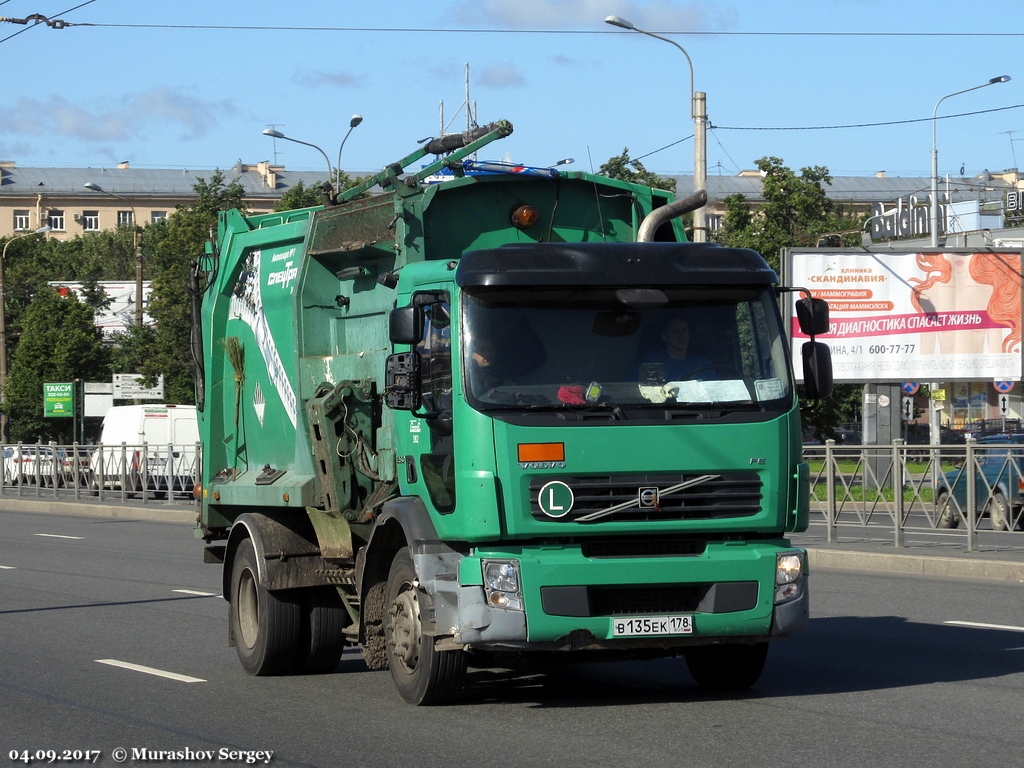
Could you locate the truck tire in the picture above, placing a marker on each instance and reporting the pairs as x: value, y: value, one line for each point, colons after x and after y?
x: 422, y: 674
x: 266, y: 626
x: 946, y: 515
x: 726, y: 667
x: 324, y: 618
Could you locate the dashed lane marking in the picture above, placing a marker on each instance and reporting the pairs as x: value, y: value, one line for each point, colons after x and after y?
x: 979, y: 625
x: 57, y: 536
x: 151, y: 671
x: 195, y: 592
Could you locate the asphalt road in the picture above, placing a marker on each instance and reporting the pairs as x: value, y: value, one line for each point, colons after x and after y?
x: 880, y: 677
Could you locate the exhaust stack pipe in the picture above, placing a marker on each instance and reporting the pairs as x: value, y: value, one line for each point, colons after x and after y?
x: 668, y: 212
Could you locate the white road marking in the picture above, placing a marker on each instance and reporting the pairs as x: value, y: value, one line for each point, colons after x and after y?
x: 8, y: 568
x: 194, y: 592
x: 978, y: 625
x: 57, y: 536
x: 151, y: 671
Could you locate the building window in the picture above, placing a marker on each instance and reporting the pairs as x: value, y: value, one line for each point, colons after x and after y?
x: 158, y: 216
x: 20, y: 220
x: 56, y: 220
x: 91, y: 221
x: 125, y: 218
x: 714, y: 222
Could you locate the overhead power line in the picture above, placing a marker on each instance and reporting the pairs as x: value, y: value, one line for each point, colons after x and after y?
x: 863, y: 125
x: 484, y: 31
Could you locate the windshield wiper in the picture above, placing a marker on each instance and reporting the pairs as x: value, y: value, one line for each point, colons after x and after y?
x: 616, y: 411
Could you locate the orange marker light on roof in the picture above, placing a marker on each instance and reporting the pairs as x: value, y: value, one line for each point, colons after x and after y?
x: 541, y: 452
x: 525, y: 216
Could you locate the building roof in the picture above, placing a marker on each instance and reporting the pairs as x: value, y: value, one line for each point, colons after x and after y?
x: 865, y: 189
x: 259, y: 181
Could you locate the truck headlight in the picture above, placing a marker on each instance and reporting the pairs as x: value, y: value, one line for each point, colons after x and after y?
x: 789, y: 570
x: 502, y: 585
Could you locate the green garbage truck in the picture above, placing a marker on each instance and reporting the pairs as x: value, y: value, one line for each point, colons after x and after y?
x: 491, y: 413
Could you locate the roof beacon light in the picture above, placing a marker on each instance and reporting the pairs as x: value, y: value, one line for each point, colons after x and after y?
x: 525, y: 216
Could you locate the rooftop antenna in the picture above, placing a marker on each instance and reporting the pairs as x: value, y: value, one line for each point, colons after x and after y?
x: 274, y: 127
x: 1012, y: 150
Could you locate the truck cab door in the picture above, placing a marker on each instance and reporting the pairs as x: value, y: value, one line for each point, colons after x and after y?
x: 437, y: 462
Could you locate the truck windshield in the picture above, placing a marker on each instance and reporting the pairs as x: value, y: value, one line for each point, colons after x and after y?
x: 630, y: 349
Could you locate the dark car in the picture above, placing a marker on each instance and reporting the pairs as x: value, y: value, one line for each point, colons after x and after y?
x: 998, y: 484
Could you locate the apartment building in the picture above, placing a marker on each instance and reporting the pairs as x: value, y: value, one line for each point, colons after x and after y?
x: 59, y: 198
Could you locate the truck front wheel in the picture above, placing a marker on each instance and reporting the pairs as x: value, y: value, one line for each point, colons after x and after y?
x: 266, y: 626
x: 726, y: 667
x: 422, y: 674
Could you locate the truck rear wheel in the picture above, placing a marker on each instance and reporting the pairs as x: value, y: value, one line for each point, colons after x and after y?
x: 266, y: 626
x: 323, y: 621
x: 726, y: 667
x: 422, y: 674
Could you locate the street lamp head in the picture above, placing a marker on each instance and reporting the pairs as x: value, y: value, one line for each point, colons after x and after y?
x: 273, y: 133
x: 1000, y: 79
x: 93, y: 186
x: 357, y: 119
x: 43, y: 229
x: 618, y: 21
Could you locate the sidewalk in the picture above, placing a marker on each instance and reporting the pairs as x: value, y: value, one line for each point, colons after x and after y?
x: 1001, y: 557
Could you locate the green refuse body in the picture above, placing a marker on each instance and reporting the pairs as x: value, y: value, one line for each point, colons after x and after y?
x: 470, y: 418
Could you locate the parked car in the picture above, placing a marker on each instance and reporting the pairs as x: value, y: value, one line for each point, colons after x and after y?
x: 29, y: 465
x: 998, y: 475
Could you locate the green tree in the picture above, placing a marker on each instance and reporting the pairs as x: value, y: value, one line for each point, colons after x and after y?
x: 173, y: 245
x: 299, y: 196
x: 795, y: 212
x: 58, y: 341
x: 624, y: 168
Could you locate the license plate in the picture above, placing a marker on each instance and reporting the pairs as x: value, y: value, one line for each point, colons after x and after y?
x: 652, y: 626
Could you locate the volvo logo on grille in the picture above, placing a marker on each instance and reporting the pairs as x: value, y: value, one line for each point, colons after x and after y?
x: 649, y: 498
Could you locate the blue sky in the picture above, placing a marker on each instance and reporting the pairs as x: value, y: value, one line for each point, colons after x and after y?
x: 183, y: 83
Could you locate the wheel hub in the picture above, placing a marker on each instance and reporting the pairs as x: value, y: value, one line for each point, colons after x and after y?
x: 405, y: 628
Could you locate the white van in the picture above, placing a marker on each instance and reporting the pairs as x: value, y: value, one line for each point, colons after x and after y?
x: 147, y: 447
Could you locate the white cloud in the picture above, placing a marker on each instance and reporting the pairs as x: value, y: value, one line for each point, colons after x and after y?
x: 501, y: 76
x: 321, y: 78
x: 655, y: 16
x: 132, y: 116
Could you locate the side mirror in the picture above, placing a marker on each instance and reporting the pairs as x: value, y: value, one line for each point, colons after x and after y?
x: 817, y: 369
x: 402, y: 381
x: 405, y: 325
x: 812, y: 314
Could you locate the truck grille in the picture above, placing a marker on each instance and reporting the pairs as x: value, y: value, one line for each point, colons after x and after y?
x: 649, y: 599
x: 651, y: 497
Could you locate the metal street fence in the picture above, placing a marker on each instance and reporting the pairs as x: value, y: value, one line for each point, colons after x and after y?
x: 976, y: 486
x: 148, y: 471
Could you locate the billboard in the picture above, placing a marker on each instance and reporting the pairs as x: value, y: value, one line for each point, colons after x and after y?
x: 950, y: 315
x: 119, y: 314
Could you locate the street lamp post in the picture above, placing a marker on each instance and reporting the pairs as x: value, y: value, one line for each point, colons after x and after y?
x: 699, y: 113
x: 356, y: 120
x: 934, y: 428
x: 935, y: 155
x: 273, y: 133
x: 3, y: 334
x: 136, y: 248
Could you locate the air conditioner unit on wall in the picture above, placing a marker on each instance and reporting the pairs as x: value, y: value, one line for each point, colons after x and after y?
x: 78, y: 217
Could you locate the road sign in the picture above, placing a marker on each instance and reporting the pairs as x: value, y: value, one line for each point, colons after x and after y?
x: 59, y: 400
x: 1003, y: 386
x: 1004, y: 405
x: 910, y: 387
x: 907, y: 408
x: 128, y: 386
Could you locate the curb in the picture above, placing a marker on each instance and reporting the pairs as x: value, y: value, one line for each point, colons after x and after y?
x: 964, y: 567
x: 917, y: 565
x: 154, y: 513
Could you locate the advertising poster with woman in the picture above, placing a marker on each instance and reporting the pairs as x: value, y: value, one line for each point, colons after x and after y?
x: 949, y: 316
